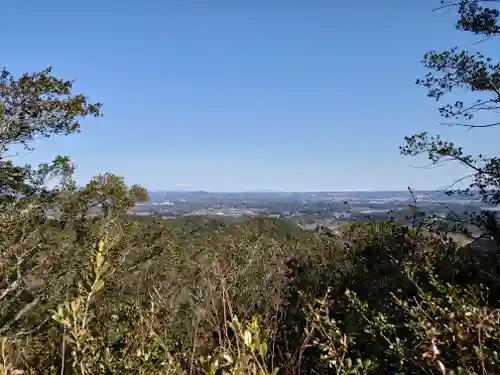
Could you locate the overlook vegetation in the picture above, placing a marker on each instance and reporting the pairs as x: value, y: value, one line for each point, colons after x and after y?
x: 114, y: 295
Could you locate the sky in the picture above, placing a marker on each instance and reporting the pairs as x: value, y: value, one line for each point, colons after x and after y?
x: 244, y: 95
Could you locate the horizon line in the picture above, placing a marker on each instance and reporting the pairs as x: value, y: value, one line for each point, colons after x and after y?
x: 289, y: 191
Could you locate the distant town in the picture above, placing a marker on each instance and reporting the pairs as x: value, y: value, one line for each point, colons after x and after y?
x: 314, y: 211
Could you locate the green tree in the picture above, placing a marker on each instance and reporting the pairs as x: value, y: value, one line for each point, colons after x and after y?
x: 33, y: 106
x: 453, y: 71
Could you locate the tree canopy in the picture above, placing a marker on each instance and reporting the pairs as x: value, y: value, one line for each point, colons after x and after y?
x: 33, y: 106
x: 456, y: 70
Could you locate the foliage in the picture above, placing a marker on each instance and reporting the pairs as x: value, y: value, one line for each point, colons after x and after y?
x: 33, y: 106
x: 454, y: 71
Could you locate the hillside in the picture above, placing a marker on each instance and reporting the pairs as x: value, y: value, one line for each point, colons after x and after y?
x: 95, y: 281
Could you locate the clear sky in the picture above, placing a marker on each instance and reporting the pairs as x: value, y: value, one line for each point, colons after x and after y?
x: 243, y: 95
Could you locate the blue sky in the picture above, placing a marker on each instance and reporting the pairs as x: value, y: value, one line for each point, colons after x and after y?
x: 243, y: 95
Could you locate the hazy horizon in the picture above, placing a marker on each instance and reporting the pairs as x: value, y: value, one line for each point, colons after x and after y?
x: 290, y: 191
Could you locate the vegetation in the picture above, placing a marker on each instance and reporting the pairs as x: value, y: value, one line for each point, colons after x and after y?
x: 453, y: 71
x: 109, y: 294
